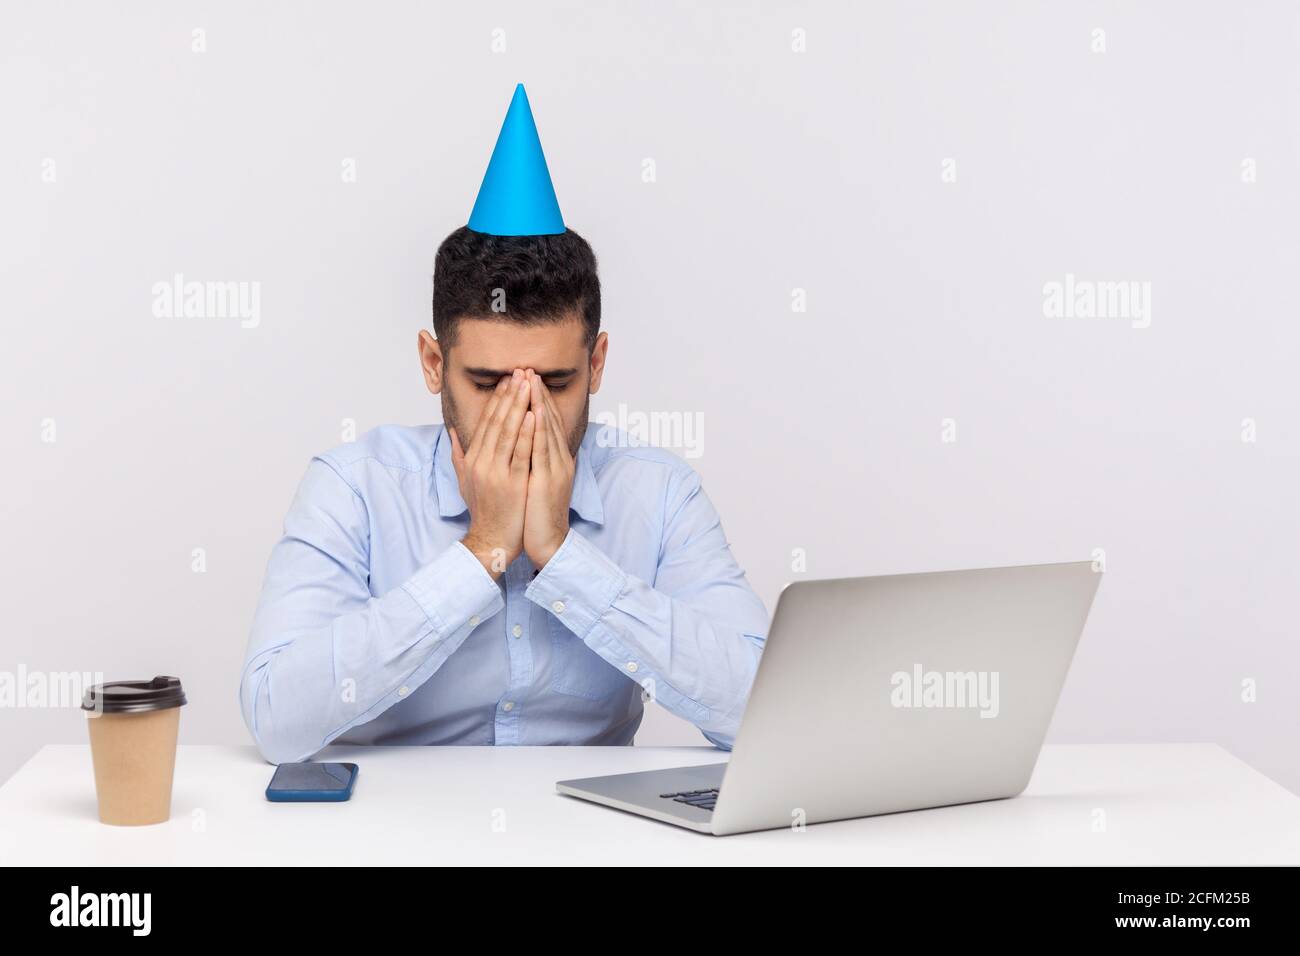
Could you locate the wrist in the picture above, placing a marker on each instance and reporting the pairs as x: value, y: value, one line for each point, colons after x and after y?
x: 494, y: 559
x: 542, y: 555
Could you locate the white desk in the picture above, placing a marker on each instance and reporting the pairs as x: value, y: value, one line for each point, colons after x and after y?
x: 1163, y: 804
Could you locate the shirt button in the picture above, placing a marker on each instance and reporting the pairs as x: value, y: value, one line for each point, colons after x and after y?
x: 558, y: 607
x: 473, y: 621
x: 631, y: 665
x: 403, y: 691
x: 508, y: 706
x: 517, y: 631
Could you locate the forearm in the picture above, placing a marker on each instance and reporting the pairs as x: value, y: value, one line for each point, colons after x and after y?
x: 307, y: 682
x: 696, y: 657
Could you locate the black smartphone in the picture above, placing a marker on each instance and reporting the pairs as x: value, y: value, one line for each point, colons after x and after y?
x: 312, y: 782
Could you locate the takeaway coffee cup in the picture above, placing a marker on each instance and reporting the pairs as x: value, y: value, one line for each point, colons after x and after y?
x: 133, y: 725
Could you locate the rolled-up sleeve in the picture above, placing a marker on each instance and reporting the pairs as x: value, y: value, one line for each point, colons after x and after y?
x: 325, y: 654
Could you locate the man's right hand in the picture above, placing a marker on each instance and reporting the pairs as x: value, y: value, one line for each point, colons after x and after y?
x: 493, y: 474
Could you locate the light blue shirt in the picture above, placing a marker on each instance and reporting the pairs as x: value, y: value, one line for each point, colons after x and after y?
x: 376, y: 625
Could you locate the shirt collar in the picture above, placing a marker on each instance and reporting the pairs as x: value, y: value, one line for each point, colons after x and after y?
x: 586, y: 493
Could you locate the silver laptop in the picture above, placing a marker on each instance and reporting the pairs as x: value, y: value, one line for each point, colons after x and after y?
x: 881, y: 694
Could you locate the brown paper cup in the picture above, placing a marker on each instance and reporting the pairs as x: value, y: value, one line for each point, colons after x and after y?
x: 133, y: 748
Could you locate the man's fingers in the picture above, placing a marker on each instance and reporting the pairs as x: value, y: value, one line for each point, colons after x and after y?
x: 492, y: 429
x: 516, y: 405
x: 486, y: 419
x: 540, y: 458
x: 556, y: 423
x: 541, y: 442
x: 535, y: 395
x: 524, y: 445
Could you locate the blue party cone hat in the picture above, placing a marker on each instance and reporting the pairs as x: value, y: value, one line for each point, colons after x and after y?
x: 517, y: 198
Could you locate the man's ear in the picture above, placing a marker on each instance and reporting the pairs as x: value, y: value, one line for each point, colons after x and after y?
x: 432, y: 361
x: 598, y: 361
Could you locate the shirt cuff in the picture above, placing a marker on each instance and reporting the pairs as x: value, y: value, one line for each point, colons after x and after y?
x: 578, y: 585
x: 454, y: 587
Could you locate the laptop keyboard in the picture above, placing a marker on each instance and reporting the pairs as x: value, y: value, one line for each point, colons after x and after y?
x: 704, y: 799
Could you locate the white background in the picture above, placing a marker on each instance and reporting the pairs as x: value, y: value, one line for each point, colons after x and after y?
x: 776, y: 170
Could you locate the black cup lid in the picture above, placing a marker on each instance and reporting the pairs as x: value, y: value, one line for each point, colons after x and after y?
x: 134, y: 696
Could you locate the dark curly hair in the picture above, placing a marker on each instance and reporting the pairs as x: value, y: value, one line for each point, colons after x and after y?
x: 540, y: 278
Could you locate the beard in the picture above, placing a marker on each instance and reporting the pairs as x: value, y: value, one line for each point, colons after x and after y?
x: 451, y: 417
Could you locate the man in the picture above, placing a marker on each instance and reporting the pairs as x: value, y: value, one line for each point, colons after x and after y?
x: 517, y: 576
